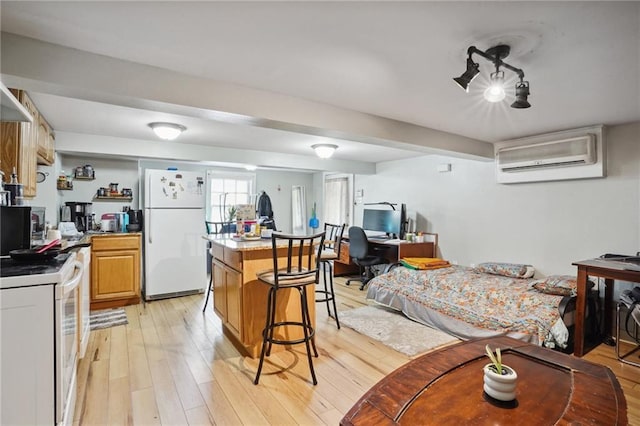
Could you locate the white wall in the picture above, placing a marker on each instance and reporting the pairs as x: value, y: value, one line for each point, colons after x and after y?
x: 278, y: 186
x: 122, y: 172
x: 546, y: 224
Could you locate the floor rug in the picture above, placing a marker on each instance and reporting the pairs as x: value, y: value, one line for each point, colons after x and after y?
x: 106, y: 318
x: 394, y: 329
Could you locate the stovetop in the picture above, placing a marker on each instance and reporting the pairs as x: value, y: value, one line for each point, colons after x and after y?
x: 14, y: 268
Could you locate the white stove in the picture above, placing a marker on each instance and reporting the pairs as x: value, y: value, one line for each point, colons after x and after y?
x: 39, y: 339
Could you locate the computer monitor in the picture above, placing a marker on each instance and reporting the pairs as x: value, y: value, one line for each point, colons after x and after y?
x: 387, y: 221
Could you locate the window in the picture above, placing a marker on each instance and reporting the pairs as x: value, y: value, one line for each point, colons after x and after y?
x: 338, y: 199
x: 227, y: 189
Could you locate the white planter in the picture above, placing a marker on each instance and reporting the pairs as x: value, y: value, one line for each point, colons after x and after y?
x: 500, y: 386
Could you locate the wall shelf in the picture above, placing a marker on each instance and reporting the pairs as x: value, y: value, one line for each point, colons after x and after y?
x: 112, y: 198
x: 84, y: 178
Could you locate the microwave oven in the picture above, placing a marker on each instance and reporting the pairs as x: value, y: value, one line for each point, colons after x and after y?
x: 15, y: 228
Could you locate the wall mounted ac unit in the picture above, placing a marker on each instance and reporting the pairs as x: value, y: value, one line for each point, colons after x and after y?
x: 564, y: 155
x: 576, y: 151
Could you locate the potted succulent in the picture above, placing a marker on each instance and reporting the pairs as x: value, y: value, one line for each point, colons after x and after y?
x: 499, y: 379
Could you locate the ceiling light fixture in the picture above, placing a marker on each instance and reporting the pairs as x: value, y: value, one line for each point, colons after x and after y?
x: 495, y: 92
x: 167, y: 131
x: 324, y: 150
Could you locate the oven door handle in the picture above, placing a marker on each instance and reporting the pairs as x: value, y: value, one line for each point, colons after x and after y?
x: 72, y: 283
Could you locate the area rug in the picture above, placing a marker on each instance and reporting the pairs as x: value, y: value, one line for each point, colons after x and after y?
x: 106, y: 318
x: 395, y: 330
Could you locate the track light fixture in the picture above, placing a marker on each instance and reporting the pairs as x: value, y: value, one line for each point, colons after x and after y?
x: 495, y: 92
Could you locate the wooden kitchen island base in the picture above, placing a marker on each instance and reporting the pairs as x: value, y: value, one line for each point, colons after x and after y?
x: 240, y: 300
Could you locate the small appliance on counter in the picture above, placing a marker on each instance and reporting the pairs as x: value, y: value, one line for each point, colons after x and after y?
x: 135, y: 221
x: 38, y: 223
x: 15, y: 228
x: 79, y: 213
x: 108, y: 222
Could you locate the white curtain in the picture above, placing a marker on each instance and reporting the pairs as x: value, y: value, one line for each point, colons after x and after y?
x: 298, y: 211
x: 336, y: 200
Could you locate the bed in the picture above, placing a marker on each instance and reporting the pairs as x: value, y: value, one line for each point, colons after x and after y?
x: 468, y: 304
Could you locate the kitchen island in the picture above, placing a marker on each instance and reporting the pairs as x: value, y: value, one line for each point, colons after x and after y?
x: 240, y: 300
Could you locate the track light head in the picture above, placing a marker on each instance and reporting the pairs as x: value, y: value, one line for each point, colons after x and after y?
x: 467, y: 77
x: 495, y: 92
x: 522, y: 92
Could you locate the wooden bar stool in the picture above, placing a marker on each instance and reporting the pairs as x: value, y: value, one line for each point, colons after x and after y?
x: 329, y: 253
x: 298, y: 270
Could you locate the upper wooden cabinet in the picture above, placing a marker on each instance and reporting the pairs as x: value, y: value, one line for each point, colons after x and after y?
x: 46, y: 140
x: 25, y: 144
x: 19, y: 147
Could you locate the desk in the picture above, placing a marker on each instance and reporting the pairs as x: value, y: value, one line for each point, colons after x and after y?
x: 394, y: 250
x: 610, y: 271
x: 444, y: 387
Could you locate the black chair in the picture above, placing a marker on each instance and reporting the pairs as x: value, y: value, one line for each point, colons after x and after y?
x: 329, y: 253
x: 220, y: 227
x: 298, y: 270
x: 359, y: 252
x: 214, y: 228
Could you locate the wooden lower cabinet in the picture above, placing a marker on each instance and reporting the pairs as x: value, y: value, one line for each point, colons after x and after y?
x: 227, y: 298
x: 115, y: 271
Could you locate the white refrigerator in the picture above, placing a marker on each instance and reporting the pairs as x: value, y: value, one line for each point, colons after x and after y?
x: 175, y: 252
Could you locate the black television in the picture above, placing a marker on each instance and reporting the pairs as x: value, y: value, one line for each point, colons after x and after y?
x: 387, y: 221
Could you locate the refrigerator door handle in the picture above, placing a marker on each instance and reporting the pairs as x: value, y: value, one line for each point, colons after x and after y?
x: 149, y: 225
x: 149, y: 193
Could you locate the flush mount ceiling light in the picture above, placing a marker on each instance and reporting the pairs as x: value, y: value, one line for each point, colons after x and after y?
x: 167, y: 131
x: 324, y: 150
x: 495, y: 92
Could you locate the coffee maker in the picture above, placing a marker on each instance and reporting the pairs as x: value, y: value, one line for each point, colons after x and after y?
x: 80, y: 214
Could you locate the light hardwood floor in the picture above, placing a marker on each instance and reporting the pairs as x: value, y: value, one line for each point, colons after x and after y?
x: 171, y: 365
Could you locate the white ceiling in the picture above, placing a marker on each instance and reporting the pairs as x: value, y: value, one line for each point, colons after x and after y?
x: 389, y: 59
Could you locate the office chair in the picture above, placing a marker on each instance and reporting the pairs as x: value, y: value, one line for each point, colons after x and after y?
x: 329, y: 253
x: 359, y: 252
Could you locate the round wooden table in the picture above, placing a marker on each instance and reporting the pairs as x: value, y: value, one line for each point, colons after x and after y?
x: 445, y: 387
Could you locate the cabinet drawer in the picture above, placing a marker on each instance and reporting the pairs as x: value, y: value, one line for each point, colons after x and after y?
x: 233, y: 259
x: 116, y: 242
x: 218, y: 252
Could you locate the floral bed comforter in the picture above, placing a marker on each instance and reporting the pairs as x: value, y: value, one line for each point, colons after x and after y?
x: 450, y: 298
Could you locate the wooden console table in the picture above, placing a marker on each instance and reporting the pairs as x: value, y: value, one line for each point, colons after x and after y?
x: 393, y: 250
x: 445, y: 387
x: 610, y: 271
